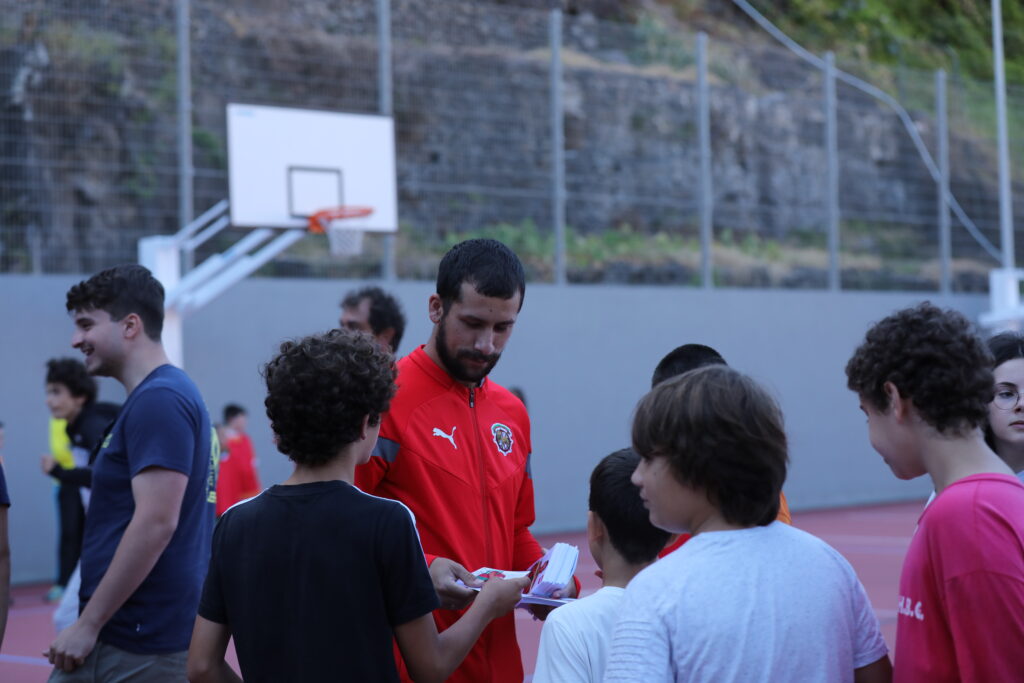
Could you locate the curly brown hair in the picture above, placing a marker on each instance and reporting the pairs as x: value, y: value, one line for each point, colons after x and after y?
x: 722, y: 433
x: 320, y: 388
x: 934, y: 358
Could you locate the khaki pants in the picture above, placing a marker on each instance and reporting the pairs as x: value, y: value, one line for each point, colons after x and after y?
x: 107, y: 664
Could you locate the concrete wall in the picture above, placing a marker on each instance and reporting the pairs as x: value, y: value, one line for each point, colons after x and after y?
x: 583, y: 354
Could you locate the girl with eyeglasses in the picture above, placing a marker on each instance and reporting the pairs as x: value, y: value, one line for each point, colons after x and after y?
x: 1005, y: 432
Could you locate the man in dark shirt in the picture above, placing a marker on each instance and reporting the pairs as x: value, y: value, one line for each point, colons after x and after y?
x: 147, y: 534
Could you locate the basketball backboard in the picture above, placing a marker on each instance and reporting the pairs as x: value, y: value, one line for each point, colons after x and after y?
x: 286, y: 164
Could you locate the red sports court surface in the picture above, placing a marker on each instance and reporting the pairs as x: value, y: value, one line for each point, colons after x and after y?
x: 874, y: 540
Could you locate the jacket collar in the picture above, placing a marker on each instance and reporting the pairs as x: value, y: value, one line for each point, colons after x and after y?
x: 441, y: 376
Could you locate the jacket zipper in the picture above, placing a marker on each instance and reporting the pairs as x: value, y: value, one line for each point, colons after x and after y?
x: 481, y: 473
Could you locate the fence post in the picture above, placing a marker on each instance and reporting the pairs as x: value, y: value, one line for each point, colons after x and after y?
x: 35, y: 247
x: 557, y: 144
x: 942, y: 145
x: 704, y: 132
x: 186, y: 172
x: 832, y: 176
x: 385, y: 107
x: 1005, y: 190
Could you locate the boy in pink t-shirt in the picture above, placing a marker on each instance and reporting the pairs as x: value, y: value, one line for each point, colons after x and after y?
x: 924, y: 382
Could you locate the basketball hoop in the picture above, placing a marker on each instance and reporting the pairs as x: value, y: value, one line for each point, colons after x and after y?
x: 342, y: 241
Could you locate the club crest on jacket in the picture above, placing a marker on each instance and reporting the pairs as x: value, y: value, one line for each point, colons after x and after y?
x: 502, y: 438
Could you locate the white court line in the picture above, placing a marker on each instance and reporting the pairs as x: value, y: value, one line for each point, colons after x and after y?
x: 869, y: 549
x: 861, y: 512
x: 18, y: 659
x: 873, y: 545
x: 901, y: 541
x: 31, y: 610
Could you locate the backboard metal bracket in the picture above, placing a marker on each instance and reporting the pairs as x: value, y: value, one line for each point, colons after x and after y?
x: 188, y: 290
x: 1006, y: 312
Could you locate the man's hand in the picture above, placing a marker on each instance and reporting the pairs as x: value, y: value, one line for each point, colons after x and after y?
x: 541, y: 612
x: 444, y: 573
x: 46, y: 462
x: 72, y: 646
x: 157, y: 493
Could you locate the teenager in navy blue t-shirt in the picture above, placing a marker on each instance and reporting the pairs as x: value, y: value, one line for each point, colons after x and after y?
x: 147, y: 532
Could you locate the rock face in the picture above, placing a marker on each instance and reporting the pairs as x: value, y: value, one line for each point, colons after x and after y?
x: 88, y: 150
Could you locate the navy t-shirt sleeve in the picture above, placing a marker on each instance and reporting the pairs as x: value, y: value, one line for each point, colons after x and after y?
x: 4, y: 498
x: 161, y: 432
x: 211, y: 604
x: 408, y: 590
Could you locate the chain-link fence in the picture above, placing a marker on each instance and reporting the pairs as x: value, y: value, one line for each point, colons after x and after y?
x: 90, y: 138
x: 87, y: 138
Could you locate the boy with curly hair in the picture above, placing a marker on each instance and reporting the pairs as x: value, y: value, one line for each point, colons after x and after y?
x: 313, y: 578
x: 924, y: 380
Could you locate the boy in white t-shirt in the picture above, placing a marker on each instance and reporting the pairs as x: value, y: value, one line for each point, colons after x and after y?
x: 622, y: 540
x: 748, y: 598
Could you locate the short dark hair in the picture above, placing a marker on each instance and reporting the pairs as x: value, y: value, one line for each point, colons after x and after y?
x: 723, y: 434
x: 492, y: 268
x: 616, y: 501
x: 683, y: 359
x: 320, y: 388
x: 72, y: 374
x: 385, y: 311
x: 934, y: 358
x: 233, y: 410
x: 121, y: 290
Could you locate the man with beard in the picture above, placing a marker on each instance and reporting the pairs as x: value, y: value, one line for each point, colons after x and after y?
x: 455, y: 446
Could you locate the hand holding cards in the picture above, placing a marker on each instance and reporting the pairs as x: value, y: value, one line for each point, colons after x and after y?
x: 551, y: 573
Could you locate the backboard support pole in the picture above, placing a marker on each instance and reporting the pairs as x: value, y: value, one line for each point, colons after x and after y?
x: 185, y: 293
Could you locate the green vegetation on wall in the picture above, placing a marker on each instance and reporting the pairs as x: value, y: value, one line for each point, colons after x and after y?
x: 924, y: 34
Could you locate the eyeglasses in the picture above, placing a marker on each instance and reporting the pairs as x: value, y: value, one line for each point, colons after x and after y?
x: 1006, y: 398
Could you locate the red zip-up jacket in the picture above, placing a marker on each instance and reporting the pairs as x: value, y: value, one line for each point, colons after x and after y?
x: 459, y: 458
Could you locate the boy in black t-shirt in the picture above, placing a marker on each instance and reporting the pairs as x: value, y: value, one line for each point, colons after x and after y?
x: 313, y: 578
